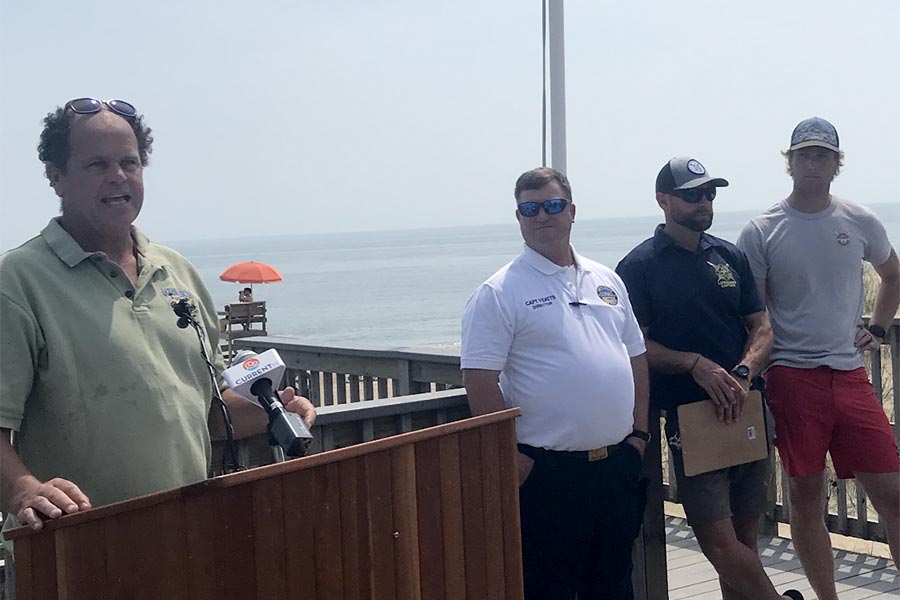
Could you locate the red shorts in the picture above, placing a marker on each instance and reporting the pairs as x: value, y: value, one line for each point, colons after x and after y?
x: 823, y: 409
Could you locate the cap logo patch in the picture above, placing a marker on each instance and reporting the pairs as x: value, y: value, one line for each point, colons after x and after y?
x: 695, y: 167
x: 842, y: 238
x: 724, y: 276
x: 608, y: 295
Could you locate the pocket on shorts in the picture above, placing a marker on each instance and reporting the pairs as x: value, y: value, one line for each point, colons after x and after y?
x: 770, y: 422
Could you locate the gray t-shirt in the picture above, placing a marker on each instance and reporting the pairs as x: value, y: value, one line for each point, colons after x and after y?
x: 812, y: 264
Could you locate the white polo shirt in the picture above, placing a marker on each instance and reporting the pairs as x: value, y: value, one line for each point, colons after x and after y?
x: 567, y: 367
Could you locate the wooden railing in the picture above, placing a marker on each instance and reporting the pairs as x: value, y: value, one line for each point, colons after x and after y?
x: 353, y: 391
x: 362, y: 395
x: 847, y: 512
x: 351, y: 387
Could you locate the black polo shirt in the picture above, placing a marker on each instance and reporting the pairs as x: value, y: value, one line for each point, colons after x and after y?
x: 691, y: 302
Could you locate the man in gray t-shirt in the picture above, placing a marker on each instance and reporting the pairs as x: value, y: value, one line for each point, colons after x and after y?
x: 806, y: 254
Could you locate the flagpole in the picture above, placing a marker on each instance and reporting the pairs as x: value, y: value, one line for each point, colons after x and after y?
x: 556, y: 72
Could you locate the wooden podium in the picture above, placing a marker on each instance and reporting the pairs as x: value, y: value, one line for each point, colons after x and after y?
x: 428, y: 514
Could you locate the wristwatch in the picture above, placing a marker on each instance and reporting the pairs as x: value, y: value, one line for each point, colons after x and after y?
x: 877, y: 331
x: 742, y: 371
x: 641, y: 435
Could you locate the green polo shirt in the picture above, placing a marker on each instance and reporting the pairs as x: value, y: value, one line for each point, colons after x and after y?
x: 102, y: 386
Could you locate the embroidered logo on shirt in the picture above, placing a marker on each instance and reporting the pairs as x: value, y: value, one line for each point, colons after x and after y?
x: 842, y: 238
x: 536, y: 303
x: 724, y: 274
x: 675, y: 441
x: 608, y: 295
x: 177, y: 294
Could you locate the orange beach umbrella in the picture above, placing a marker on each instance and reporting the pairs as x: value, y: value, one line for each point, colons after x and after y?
x: 251, y: 272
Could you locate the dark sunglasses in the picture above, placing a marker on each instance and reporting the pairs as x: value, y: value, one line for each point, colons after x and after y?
x: 696, y: 195
x: 554, y: 206
x: 87, y: 106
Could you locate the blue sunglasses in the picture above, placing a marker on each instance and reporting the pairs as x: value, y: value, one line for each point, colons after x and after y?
x: 696, y: 195
x: 554, y: 206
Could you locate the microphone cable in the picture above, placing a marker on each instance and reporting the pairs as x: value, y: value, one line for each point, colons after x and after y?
x: 185, y: 312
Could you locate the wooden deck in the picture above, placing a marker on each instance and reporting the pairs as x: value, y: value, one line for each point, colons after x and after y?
x: 858, y: 576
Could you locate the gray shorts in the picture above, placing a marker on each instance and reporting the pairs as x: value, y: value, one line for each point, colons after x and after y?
x: 738, y: 491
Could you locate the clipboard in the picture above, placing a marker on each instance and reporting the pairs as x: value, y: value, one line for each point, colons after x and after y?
x: 707, y: 444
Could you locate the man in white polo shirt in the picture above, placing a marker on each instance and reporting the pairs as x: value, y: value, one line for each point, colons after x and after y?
x: 553, y: 333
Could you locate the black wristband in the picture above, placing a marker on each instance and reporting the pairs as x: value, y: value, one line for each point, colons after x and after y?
x: 641, y: 435
x: 877, y: 331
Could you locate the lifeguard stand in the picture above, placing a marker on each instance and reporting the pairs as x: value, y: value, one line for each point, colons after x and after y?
x: 242, y: 319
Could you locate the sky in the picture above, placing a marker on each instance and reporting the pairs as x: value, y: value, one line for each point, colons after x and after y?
x: 311, y: 116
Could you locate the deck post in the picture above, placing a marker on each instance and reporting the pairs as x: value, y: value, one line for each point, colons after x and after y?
x: 649, y: 577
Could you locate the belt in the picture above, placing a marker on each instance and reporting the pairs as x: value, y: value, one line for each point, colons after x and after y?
x: 573, y: 455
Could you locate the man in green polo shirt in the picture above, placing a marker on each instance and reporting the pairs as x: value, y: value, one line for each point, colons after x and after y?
x: 109, y: 398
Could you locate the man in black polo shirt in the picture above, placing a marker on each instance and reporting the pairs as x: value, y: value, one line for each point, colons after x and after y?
x: 707, y: 337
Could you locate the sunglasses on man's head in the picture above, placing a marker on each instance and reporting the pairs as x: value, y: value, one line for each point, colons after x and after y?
x: 696, y: 195
x: 87, y: 106
x: 554, y: 206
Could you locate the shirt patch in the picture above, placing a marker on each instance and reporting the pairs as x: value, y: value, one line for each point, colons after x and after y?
x: 675, y: 441
x: 536, y: 303
x: 177, y: 294
x: 842, y: 238
x: 608, y: 295
x: 724, y: 274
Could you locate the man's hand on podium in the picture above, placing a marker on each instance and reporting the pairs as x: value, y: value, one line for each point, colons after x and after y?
x: 26, y: 497
x: 52, y: 499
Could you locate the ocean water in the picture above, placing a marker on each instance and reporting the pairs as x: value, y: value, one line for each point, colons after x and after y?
x: 407, y: 289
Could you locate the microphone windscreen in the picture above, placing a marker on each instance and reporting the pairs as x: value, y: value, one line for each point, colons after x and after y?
x: 241, y: 356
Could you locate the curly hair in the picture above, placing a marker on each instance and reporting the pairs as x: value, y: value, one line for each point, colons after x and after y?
x: 54, y: 145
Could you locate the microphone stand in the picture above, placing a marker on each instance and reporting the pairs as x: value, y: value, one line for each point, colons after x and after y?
x: 185, y: 312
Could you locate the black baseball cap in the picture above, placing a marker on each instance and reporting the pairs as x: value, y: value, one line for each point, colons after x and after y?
x: 685, y: 173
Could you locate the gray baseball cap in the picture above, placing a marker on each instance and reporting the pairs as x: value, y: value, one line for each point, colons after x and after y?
x: 685, y: 173
x: 815, y: 131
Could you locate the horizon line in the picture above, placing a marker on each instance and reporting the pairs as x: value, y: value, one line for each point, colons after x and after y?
x: 892, y: 205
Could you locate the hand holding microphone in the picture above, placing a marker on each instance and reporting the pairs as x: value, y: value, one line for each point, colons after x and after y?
x: 252, y: 376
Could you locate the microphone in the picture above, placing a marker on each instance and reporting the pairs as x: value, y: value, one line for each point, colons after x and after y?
x: 185, y: 311
x: 246, y: 367
x: 251, y: 376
